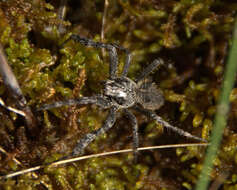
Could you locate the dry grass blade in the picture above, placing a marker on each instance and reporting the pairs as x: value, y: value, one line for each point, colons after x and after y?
x: 14, y: 159
x: 11, y: 108
x: 99, y: 155
x: 102, y: 35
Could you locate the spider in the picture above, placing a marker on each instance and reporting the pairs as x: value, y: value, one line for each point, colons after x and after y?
x: 121, y: 93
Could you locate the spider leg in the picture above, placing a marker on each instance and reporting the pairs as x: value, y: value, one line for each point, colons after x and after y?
x: 158, y: 119
x: 127, y: 59
x: 110, y: 47
x: 88, y: 138
x: 149, y: 69
x: 135, y: 132
x: 98, y: 100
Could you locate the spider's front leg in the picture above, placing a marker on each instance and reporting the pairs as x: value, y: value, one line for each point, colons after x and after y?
x: 112, y: 53
x: 127, y: 59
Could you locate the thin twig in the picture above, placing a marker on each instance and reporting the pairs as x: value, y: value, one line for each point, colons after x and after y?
x: 106, y: 4
x: 98, y: 155
x: 11, y: 83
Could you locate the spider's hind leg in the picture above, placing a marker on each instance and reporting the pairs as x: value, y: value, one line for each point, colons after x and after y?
x: 165, y: 124
x: 88, y: 138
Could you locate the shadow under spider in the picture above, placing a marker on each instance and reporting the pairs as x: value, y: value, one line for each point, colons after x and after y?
x: 121, y: 93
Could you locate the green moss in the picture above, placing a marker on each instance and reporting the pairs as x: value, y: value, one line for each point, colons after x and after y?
x: 68, y: 69
x: 192, y: 36
x: 197, y: 120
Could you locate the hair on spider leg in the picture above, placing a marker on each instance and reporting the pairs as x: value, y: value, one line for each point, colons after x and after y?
x: 121, y: 93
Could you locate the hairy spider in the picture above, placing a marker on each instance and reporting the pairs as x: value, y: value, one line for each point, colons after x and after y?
x: 121, y: 93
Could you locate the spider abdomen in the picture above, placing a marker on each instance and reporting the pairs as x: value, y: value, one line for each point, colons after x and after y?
x: 148, y: 96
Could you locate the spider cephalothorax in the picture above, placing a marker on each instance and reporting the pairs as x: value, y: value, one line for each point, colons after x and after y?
x: 121, y: 93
